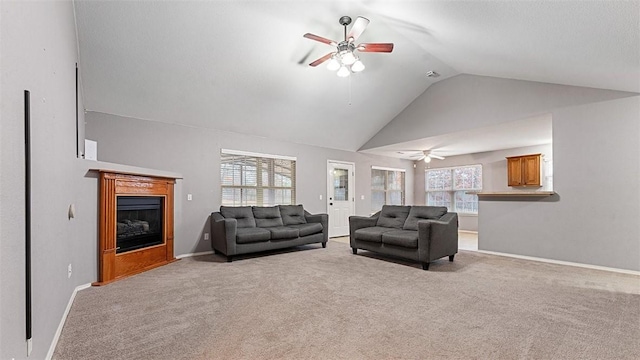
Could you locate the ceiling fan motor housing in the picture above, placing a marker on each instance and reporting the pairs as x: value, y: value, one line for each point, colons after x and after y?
x: 346, y: 46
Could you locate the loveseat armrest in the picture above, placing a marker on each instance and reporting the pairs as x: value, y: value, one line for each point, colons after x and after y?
x: 323, y: 219
x: 360, y: 222
x: 438, y: 238
x: 223, y: 234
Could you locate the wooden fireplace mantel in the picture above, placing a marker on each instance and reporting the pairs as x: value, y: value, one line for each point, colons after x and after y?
x: 113, y: 266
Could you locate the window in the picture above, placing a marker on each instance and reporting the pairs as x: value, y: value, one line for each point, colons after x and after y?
x: 250, y: 179
x: 387, y: 187
x: 448, y: 187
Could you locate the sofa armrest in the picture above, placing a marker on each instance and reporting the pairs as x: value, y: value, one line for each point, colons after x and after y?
x: 319, y: 218
x: 223, y: 234
x: 360, y: 222
x: 438, y: 238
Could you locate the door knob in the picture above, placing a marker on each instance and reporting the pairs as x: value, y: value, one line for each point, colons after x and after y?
x: 330, y: 203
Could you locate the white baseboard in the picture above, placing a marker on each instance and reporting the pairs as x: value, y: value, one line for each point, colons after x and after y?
x: 559, y: 262
x: 194, y: 254
x: 468, y: 231
x: 56, y: 336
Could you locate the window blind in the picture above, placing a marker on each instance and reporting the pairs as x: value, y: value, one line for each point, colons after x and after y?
x: 250, y: 180
x: 387, y: 187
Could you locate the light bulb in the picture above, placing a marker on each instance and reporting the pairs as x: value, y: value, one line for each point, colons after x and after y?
x: 427, y: 159
x: 348, y: 58
x: 343, y: 72
x: 333, y: 64
x: 357, y: 66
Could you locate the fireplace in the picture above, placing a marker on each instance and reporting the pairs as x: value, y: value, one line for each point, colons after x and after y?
x: 139, y: 222
x: 136, y: 224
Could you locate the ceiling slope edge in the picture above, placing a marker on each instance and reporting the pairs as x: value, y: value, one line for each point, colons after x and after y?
x: 468, y: 101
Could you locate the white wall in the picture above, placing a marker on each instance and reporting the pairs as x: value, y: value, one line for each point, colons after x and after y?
x: 195, y: 153
x: 38, y: 53
x: 594, y: 218
x: 494, y: 174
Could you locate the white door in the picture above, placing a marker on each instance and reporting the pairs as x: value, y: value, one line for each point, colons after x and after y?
x: 340, y: 197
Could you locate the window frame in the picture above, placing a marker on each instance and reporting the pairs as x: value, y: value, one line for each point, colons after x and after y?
x: 452, y: 190
x: 239, y: 160
x: 386, y: 190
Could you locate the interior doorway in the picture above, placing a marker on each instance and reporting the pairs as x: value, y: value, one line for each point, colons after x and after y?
x: 340, y: 196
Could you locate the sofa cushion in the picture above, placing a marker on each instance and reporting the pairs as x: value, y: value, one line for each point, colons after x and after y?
x: 307, y: 229
x: 393, y: 216
x: 283, y: 233
x: 251, y: 235
x: 404, y: 238
x: 243, y: 214
x: 423, y: 213
x: 373, y: 234
x: 292, y: 214
x: 267, y: 216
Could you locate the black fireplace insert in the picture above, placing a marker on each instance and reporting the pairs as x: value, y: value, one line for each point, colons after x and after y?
x: 139, y: 222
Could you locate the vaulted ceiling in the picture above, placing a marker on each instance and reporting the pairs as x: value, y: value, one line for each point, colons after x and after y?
x: 242, y: 66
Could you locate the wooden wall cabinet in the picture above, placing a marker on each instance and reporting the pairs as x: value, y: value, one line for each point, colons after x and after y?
x: 524, y: 170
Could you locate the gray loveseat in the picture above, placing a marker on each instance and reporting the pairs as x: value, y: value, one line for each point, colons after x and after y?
x: 419, y: 233
x: 248, y: 229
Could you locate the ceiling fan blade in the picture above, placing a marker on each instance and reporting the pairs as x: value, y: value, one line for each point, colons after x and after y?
x: 358, y: 28
x: 421, y: 157
x: 376, y: 47
x: 322, y: 59
x: 436, y: 157
x: 320, y: 39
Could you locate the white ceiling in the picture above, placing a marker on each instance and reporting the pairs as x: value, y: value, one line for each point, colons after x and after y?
x: 241, y: 66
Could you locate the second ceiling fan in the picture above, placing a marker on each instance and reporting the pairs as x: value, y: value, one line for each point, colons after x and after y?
x: 344, y: 59
x: 426, y: 155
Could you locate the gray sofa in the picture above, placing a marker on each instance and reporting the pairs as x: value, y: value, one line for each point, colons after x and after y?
x: 249, y: 229
x: 419, y: 233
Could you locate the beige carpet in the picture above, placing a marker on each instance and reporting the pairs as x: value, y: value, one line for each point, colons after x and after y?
x: 314, y: 303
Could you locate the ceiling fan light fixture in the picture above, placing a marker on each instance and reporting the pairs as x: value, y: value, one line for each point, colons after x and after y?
x: 427, y: 159
x: 333, y: 64
x: 348, y: 58
x: 357, y: 66
x: 343, y: 72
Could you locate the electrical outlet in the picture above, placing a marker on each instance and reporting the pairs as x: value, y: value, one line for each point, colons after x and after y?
x: 69, y: 271
x: 320, y: 197
x: 206, y: 236
x: 189, y: 197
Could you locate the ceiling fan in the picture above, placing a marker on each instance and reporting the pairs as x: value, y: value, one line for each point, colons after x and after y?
x: 426, y: 155
x: 344, y: 59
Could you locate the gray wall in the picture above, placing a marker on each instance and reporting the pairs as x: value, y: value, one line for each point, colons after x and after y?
x: 38, y: 53
x: 494, y: 174
x: 467, y: 101
x: 195, y: 153
x: 594, y: 217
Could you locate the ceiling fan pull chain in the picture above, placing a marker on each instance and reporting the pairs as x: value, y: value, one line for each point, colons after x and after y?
x: 349, y: 90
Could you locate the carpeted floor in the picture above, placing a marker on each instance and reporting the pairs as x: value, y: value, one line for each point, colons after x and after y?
x: 314, y: 303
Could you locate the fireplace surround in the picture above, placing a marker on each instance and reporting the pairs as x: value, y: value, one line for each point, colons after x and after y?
x: 135, y: 224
